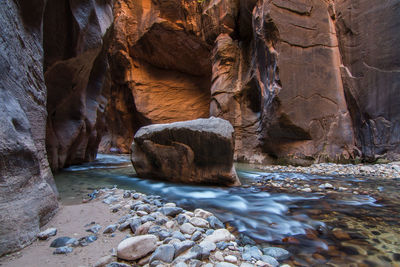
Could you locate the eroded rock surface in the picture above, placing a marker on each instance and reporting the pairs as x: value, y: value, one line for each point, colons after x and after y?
x: 27, y: 189
x: 76, y: 77
x: 197, y: 152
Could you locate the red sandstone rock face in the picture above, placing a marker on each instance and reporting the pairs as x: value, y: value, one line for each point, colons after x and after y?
x: 27, y: 189
x: 370, y: 49
x: 76, y: 76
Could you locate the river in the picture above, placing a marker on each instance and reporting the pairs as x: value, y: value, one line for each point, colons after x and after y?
x: 319, y: 229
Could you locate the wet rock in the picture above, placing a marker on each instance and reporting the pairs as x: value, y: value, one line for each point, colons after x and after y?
x: 187, y: 228
x: 215, y: 223
x: 276, y: 252
x: 220, y: 235
x: 47, y: 233
x: 170, y: 211
x: 62, y: 241
x: 94, y: 229
x: 326, y: 186
x: 340, y: 234
x: 63, y: 250
x: 110, y: 229
x: 136, y: 247
x: 209, y: 141
x: 202, y: 213
x: 244, y: 240
x: 251, y: 253
x: 163, y: 253
x: 270, y: 260
x: 183, y: 246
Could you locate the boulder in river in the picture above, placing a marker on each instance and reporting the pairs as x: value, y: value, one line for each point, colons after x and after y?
x: 197, y: 152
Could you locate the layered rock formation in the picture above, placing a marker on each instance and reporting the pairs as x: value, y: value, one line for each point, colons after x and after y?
x: 27, y: 189
x: 196, y: 152
x: 370, y: 49
x: 276, y: 72
x: 76, y: 77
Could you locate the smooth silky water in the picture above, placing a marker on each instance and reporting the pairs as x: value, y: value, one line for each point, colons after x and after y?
x: 365, y: 227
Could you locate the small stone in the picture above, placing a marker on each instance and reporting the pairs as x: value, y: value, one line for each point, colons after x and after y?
x: 62, y: 241
x: 219, y: 256
x: 277, y: 253
x: 134, y: 224
x: 187, y: 228
x: 207, y: 248
x: 194, y: 253
x: 326, y: 186
x: 63, y: 250
x: 178, y: 235
x: 270, y: 260
x: 181, y: 264
x: 141, y: 213
x: 86, y: 240
x: 202, y: 213
x: 110, y: 200
x: 47, y: 233
x: 195, y: 263
x: 209, y: 232
x: 162, y: 234
x: 170, y: 224
x: 136, y: 196
x: 170, y: 211
x: 231, y: 259
x: 136, y: 247
x: 103, y: 261
x: 246, y: 264
x: 220, y: 235
x: 262, y: 264
x: 170, y: 204
x: 244, y: 240
x: 94, y: 229
x: 163, y: 253
x: 340, y: 234
x: 307, y: 190
x: 215, y: 223
x: 183, y: 246
x: 199, y: 222
x: 222, y: 245
x: 182, y: 218
x: 196, y: 236
x: 116, y: 208
x: 147, y: 218
x: 110, y: 229
x: 251, y: 253
x: 117, y: 264
x: 225, y: 264
x: 144, y: 207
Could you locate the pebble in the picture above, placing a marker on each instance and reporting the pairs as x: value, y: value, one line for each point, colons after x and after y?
x: 225, y: 264
x: 110, y: 229
x: 207, y: 248
x: 103, y: 261
x: 196, y: 236
x: 251, y: 253
x: 199, y: 222
x: 163, y: 253
x: 62, y: 241
x: 170, y: 211
x: 231, y: 259
x: 277, y: 253
x: 220, y: 235
x: 136, y: 247
x: 86, y: 240
x: 47, y: 233
x: 219, y: 256
x: 117, y: 264
x: 94, y: 229
x: 183, y: 246
x: 202, y: 213
x: 215, y: 223
x: 270, y: 260
x: 182, y: 218
x: 187, y: 228
x: 63, y: 250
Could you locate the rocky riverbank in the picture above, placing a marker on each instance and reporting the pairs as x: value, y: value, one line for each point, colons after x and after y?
x: 387, y: 170
x: 127, y: 228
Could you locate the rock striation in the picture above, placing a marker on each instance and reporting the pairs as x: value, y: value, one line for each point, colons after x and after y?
x: 197, y: 152
x: 76, y: 74
x: 27, y: 189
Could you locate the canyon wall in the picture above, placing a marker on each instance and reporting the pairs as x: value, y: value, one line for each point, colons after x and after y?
x: 27, y: 189
x: 298, y: 79
x: 76, y: 74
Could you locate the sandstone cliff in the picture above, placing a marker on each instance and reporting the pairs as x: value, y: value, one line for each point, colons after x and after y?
x: 27, y: 189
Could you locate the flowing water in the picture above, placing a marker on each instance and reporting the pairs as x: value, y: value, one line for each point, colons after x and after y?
x: 327, y: 228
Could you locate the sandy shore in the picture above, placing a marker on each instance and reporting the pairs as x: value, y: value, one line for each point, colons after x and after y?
x: 70, y: 221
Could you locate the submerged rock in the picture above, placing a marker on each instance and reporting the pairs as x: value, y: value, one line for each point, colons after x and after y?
x: 197, y: 152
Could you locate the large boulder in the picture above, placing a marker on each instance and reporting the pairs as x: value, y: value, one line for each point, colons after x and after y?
x: 197, y: 152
